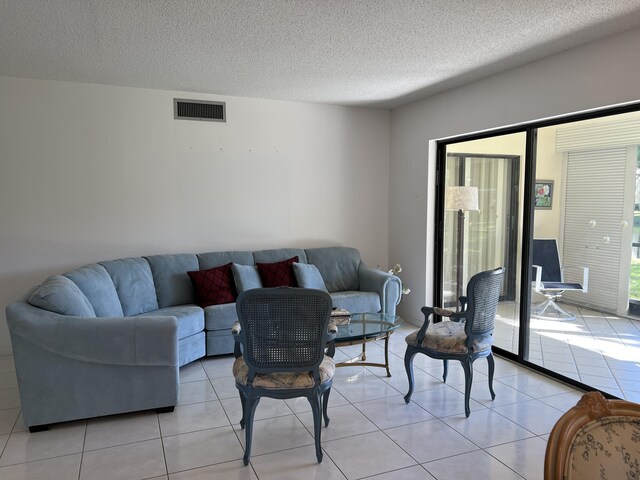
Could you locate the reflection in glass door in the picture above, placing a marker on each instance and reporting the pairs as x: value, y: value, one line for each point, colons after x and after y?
x: 491, y: 234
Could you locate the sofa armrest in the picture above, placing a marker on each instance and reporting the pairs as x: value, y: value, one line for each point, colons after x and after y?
x: 141, y: 341
x: 388, y: 286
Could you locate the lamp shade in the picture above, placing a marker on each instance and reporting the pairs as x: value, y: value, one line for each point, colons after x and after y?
x: 462, y: 198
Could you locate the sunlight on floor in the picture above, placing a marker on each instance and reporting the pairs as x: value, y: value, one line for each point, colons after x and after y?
x: 597, y: 349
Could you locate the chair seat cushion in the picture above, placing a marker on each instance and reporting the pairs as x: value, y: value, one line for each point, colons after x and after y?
x: 561, y: 286
x: 285, y: 380
x: 448, y: 337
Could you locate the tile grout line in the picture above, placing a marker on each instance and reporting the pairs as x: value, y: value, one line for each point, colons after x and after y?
x: 84, y: 442
x: 164, y: 453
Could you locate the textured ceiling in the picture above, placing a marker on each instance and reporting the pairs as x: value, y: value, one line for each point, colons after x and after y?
x: 349, y: 52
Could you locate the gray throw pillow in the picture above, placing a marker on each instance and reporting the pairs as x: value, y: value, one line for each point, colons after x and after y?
x: 246, y: 277
x: 309, y: 276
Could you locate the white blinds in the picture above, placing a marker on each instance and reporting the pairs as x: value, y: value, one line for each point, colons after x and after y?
x: 594, y: 231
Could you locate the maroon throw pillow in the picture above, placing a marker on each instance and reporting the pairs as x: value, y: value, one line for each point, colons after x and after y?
x: 214, y: 286
x: 278, y: 274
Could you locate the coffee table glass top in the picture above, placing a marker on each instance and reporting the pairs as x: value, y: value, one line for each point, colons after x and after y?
x: 366, y: 325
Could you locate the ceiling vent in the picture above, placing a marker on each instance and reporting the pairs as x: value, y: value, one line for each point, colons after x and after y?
x: 199, y: 110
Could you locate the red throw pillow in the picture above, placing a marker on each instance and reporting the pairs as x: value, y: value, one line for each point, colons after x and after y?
x: 214, y: 286
x: 278, y: 274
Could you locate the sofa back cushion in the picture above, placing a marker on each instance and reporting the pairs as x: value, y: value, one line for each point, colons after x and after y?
x: 96, y: 284
x: 337, y: 265
x: 173, y: 286
x: 134, y: 284
x: 278, y: 255
x: 215, y: 259
x: 60, y: 295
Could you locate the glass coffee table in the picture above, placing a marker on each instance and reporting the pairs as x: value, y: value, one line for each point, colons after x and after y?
x: 364, y: 328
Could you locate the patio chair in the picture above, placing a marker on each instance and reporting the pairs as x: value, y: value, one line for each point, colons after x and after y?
x: 466, y: 336
x: 598, y: 438
x: 549, y: 279
x: 283, y: 333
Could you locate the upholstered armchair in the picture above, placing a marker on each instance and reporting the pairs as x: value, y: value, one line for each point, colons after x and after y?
x: 597, y: 439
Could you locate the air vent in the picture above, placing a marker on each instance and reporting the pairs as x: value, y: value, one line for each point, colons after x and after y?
x: 199, y: 110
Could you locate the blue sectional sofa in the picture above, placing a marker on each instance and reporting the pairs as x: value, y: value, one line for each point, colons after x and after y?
x: 110, y: 337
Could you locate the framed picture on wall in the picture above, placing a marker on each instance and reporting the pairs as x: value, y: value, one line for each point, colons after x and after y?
x: 543, y: 194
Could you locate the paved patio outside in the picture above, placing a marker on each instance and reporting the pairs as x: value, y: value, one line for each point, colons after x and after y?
x: 598, y: 349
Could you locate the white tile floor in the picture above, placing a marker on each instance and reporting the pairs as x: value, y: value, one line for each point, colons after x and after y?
x: 597, y: 349
x: 373, y: 434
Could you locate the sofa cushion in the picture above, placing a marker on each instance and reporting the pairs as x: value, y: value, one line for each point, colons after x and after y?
x: 170, y: 278
x: 215, y: 259
x: 190, y: 318
x: 337, y: 265
x: 214, y: 286
x: 356, y: 302
x: 246, y: 277
x: 60, y: 295
x: 278, y: 255
x: 308, y: 276
x: 191, y: 348
x: 134, y: 284
x: 220, y: 317
x: 278, y: 274
x: 96, y: 284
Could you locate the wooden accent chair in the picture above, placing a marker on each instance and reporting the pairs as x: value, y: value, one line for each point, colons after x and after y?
x: 283, y: 333
x: 467, y: 336
x: 596, y: 439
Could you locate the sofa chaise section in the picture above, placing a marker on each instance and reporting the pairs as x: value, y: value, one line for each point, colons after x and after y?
x: 72, y: 367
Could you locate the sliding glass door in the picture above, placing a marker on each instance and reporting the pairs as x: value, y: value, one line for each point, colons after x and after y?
x: 591, y: 334
x: 555, y: 201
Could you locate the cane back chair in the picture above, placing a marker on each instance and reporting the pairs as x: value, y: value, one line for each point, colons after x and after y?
x: 466, y: 336
x: 280, y: 352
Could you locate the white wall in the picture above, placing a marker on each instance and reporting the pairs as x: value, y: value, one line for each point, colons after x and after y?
x: 593, y: 75
x: 93, y: 172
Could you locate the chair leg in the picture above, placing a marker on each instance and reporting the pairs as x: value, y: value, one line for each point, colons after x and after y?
x: 244, y: 406
x: 325, y: 402
x: 445, y: 370
x: 467, y: 366
x: 492, y: 367
x: 251, y: 404
x: 408, y: 365
x: 315, y: 401
x: 549, y: 304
